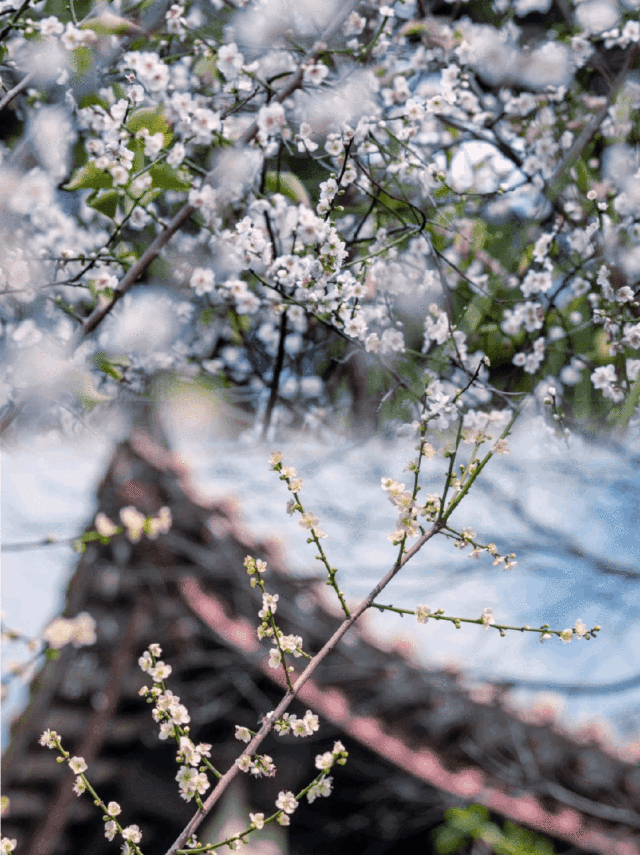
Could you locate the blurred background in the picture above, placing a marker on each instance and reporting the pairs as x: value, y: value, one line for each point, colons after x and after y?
x: 570, y: 514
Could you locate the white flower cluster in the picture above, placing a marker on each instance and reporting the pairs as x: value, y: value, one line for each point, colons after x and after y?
x: 261, y: 765
x: 487, y: 617
x: 437, y: 79
x: 408, y: 508
x: 172, y: 717
x: 579, y: 631
x: 79, y: 631
x: 305, y: 726
x: 422, y: 614
x: 255, y: 567
x: 287, y: 644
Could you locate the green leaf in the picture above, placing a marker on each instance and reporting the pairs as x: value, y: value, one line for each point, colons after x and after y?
x: 206, y: 67
x: 628, y: 407
x: 289, y: 185
x: 478, y: 232
x: 151, y: 118
x: 476, y: 312
x: 166, y: 178
x: 107, y: 24
x: 583, y: 177
x: 106, y: 203
x: 81, y: 60
x: 92, y: 99
x: 108, y: 365
x: 89, y: 177
x: 462, y: 824
x: 125, y: 254
x: 128, y: 203
x: 137, y: 147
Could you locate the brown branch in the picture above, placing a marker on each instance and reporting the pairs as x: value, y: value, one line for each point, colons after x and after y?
x: 12, y: 93
x: 134, y: 272
x: 266, y: 728
x: 277, y: 371
x: 554, y: 185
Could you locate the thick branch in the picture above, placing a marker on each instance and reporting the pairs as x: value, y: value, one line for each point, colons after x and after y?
x: 588, y: 132
x: 12, y: 93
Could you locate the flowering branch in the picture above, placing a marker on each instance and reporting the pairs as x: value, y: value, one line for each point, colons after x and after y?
x: 268, y: 725
x: 423, y: 614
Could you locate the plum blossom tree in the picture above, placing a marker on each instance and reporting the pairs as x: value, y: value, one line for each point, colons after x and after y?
x: 342, y: 215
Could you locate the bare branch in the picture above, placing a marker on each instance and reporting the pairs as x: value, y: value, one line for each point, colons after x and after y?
x: 12, y: 93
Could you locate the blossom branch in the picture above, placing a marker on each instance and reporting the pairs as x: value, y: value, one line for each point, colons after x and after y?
x: 185, y: 213
x: 328, y: 647
x: 424, y: 614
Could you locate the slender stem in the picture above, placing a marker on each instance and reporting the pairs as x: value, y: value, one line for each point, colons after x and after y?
x: 463, y: 492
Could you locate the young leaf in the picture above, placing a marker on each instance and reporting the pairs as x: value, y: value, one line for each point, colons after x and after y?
x: 89, y: 177
x: 106, y: 203
x: 165, y: 177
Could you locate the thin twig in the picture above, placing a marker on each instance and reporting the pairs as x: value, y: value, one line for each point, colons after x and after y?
x: 12, y: 93
x: 51, y: 540
x: 5, y: 32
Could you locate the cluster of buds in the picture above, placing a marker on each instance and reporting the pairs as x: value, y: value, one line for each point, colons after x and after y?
x: 467, y: 538
x: 294, y: 484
